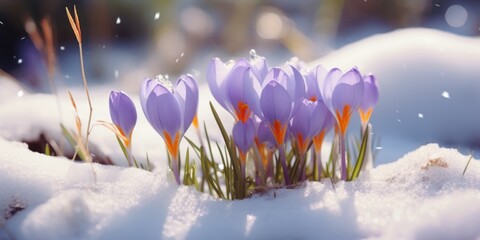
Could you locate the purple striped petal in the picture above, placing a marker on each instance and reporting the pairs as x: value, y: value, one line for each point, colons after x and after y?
x: 163, y: 111
x: 302, y: 120
x: 216, y: 74
x: 145, y: 89
x: 243, y: 135
x: 370, y: 97
x: 348, y: 91
x: 275, y: 103
x: 251, y: 91
x: 186, y: 93
x: 122, y: 112
x: 259, y: 67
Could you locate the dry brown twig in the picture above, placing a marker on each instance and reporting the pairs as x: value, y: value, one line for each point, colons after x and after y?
x: 75, y: 24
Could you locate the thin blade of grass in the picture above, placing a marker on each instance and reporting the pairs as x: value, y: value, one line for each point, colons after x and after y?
x: 361, y: 156
x: 466, y: 166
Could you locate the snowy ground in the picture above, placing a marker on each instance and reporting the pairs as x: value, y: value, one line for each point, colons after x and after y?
x: 422, y: 195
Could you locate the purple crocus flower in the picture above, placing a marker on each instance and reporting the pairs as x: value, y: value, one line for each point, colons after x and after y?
x: 280, y: 97
x: 307, y: 123
x: 243, y: 137
x: 370, y: 99
x: 343, y: 94
x: 170, y: 110
x: 225, y: 81
x: 123, y: 114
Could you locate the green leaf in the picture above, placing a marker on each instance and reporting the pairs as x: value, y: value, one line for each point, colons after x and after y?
x: 47, y: 150
x: 361, y: 156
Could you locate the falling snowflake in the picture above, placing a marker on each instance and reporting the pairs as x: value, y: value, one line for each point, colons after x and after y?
x: 379, y: 148
x: 116, y: 73
x: 1, y: 22
x: 420, y: 115
x: 62, y: 48
x: 119, y: 20
x: 157, y: 16
x: 20, y: 61
x: 446, y: 95
x: 20, y: 93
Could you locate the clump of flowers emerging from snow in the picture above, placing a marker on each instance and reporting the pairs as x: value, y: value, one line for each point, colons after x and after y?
x: 281, y: 116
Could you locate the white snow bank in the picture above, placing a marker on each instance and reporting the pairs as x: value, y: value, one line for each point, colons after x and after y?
x: 414, y: 68
x: 423, y: 195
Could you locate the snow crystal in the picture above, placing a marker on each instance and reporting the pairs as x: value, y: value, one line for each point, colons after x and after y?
x: 420, y: 115
x: 20, y: 61
x: 446, y: 95
x: 62, y: 48
x: 157, y: 15
x: 118, y: 20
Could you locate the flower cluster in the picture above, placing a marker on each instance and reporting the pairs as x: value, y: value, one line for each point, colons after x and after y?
x: 282, y: 115
x: 295, y: 104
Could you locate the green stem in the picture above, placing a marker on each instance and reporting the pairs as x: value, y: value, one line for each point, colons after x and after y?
x: 283, y: 161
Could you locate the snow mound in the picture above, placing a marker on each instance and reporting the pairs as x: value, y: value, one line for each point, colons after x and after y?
x: 423, y: 195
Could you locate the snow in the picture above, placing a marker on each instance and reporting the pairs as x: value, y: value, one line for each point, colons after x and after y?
x: 423, y: 195
x: 414, y: 67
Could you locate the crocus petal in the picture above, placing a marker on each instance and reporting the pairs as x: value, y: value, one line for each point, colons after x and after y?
x: 251, y: 90
x: 278, y: 75
x: 244, y: 135
x: 216, y: 74
x: 235, y: 85
x: 186, y: 93
x: 370, y: 97
x: 147, y: 86
x: 301, y: 121
x: 315, y: 79
x: 163, y: 111
x: 259, y: 67
x: 122, y: 112
x: 264, y: 134
x: 298, y: 86
x: 331, y: 80
x: 348, y: 91
x: 275, y: 103
x: 320, y: 116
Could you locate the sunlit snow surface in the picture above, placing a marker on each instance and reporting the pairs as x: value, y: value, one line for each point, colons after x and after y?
x: 422, y: 195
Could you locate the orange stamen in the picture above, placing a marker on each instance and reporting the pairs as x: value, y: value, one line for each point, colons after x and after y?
x: 343, y: 118
x: 127, y: 139
x: 302, y: 143
x: 261, y: 150
x: 279, y: 132
x: 243, y: 111
x: 195, y: 121
x: 318, y: 140
x: 313, y: 99
x: 365, y: 116
x: 243, y: 156
x: 172, y: 146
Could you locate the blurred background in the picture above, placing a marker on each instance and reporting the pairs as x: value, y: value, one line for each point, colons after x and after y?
x: 125, y: 41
